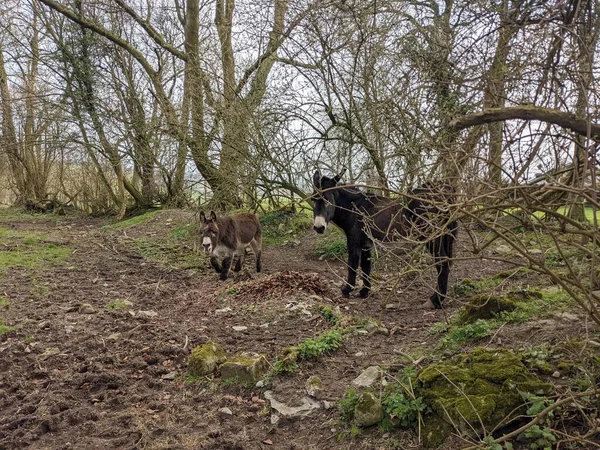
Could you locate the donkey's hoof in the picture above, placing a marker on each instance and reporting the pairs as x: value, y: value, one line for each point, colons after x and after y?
x: 429, y: 305
x: 435, y: 302
x: 364, y: 292
x: 346, y: 291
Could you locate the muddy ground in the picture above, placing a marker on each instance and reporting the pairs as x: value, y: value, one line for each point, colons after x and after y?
x: 85, y: 369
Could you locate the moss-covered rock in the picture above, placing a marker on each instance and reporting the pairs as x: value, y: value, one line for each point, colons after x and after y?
x: 244, y: 369
x: 474, y: 391
x: 485, y: 307
x: 205, y: 358
x: 368, y: 410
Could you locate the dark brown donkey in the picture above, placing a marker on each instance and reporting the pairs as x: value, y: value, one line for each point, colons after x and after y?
x: 225, y: 237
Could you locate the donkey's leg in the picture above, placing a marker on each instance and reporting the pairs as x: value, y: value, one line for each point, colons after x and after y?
x: 215, y: 263
x: 226, y: 265
x: 365, y: 267
x: 240, y: 262
x: 442, y: 266
x: 353, y: 259
x: 256, y: 248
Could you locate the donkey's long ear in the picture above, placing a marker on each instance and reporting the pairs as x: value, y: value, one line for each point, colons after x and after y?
x: 317, y: 178
x: 339, y: 176
x: 202, y: 217
x: 213, y: 216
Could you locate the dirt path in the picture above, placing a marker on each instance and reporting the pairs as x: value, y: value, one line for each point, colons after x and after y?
x: 84, y: 369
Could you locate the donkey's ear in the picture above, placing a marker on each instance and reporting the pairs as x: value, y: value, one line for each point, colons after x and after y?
x: 317, y: 178
x: 202, y: 217
x: 213, y: 216
x: 339, y: 176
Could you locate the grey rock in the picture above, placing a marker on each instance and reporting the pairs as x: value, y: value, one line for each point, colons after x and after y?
x: 368, y: 377
x: 146, y: 314
x: 368, y: 410
x: 314, y: 386
x: 308, y: 405
x: 86, y: 308
x: 239, y: 328
x: 169, y: 376
x: 225, y: 411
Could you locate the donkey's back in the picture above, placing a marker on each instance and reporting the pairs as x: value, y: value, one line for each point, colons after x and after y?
x: 247, y: 228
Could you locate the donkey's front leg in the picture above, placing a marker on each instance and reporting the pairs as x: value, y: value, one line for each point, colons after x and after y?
x: 214, y: 262
x: 365, y: 267
x: 353, y: 258
x: 226, y: 265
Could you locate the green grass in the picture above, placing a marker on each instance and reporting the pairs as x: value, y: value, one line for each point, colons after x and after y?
x: 119, y: 304
x: 331, y: 245
x: 3, y: 328
x: 527, y: 309
x: 29, y: 250
x: 281, y: 226
x: 3, y: 302
x: 132, y: 221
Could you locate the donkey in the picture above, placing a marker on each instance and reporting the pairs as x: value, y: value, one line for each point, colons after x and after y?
x: 225, y: 237
x: 366, y: 217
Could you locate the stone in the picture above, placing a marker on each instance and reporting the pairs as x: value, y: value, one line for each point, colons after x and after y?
x: 504, y: 249
x: 274, y: 419
x: 314, y: 386
x: 44, y: 324
x: 556, y: 374
x: 485, y: 306
x: 223, y: 310
x: 368, y: 377
x: 169, y: 376
x: 225, y: 411
x: 260, y: 383
x: 368, y: 410
x: 534, y: 251
x: 51, y: 351
x: 308, y: 405
x: 205, y: 358
x: 146, y: 314
x: 86, y: 308
x: 239, y: 328
x: 245, y: 369
x: 113, y: 337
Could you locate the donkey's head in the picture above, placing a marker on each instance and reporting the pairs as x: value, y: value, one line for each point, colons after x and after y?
x: 209, y: 230
x: 324, y: 200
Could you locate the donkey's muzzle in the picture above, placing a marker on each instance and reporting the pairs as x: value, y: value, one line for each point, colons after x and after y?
x: 207, y: 249
x: 319, y: 229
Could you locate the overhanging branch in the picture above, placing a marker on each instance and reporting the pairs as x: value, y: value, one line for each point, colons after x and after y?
x: 528, y: 112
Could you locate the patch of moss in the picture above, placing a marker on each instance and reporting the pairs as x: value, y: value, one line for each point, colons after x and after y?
x: 484, y: 306
x: 477, y: 390
x: 205, y: 358
x: 246, y: 369
x: 4, y: 328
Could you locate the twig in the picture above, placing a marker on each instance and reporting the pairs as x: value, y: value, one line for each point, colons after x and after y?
x: 537, y: 418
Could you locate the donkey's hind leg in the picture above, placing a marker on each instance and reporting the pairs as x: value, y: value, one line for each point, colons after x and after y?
x: 365, y: 267
x: 256, y: 248
x: 240, y: 262
x: 442, y: 266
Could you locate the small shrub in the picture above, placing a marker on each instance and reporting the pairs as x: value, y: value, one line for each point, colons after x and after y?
x: 324, y: 343
x: 329, y: 315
